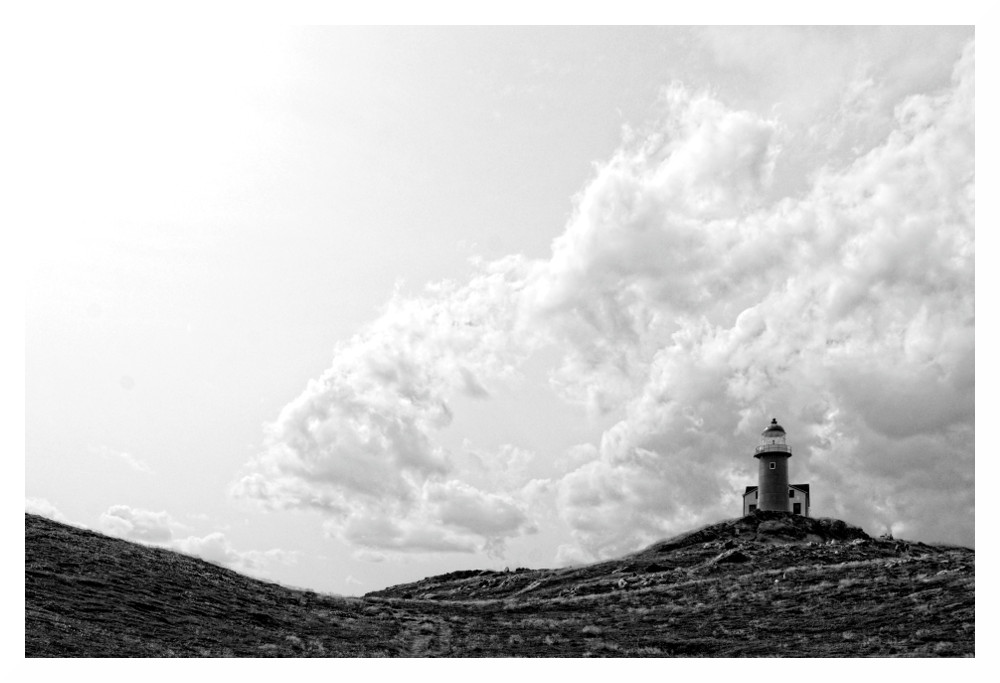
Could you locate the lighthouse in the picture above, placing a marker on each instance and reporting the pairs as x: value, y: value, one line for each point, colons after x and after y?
x: 773, y: 491
x: 772, y: 469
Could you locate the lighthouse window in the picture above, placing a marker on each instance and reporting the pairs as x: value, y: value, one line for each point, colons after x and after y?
x: 771, y: 466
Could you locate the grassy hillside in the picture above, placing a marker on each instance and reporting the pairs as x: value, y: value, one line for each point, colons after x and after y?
x: 769, y: 584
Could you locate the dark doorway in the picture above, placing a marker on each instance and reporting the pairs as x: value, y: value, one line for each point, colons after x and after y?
x: 797, y: 508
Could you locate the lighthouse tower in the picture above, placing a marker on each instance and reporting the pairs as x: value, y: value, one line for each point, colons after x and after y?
x: 772, y: 473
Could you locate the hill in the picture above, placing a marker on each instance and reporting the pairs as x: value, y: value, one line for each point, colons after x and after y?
x: 769, y: 584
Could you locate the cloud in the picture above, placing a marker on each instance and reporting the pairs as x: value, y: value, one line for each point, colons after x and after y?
x: 216, y: 548
x: 504, y: 468
x: 848, y: 313
x: 648, y: 240
x: 41, y: 506
x: 359, y: 443
x: 159, y: 528
x: 834, y: 87
x: 121, y: 456
x: 692, y: 304
x: 137, y: 524
x: 445, y: 516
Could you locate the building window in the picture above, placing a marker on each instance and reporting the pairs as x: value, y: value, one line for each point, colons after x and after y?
x: 772, y: 465
x: 797, y: 508
x: 752, y: 507
x: 791, y: 493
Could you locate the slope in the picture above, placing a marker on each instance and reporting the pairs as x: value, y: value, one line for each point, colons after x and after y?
x: 769, y: 584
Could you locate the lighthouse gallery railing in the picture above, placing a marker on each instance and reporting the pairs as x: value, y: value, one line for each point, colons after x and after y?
x: 773, y: 447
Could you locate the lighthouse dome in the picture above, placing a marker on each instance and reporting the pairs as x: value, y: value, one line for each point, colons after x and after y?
x: 774, y: 429
x: 773, y: 439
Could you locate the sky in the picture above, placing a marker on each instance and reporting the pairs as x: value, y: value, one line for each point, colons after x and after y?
x: 346, y: 307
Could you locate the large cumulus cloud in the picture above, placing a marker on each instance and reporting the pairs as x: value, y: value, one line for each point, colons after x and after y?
x: 692, y: 305
x: 359, y: 443
x: 848, y: 312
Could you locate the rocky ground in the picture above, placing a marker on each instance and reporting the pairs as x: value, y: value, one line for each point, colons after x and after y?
x: 769, y: 584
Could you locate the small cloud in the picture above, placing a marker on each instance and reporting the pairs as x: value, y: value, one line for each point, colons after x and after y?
x: 212, y: 547
x: 138, y: 524
x: 504, y: 468
x: 471, y: 386
x: 366, y: 555
x: 41, y: 506
x: 217, y: 549
x: 490, y: 516
x: 121, y: 456
x: 570, y: 554
x: 159, y: 528
x: 577, y: 456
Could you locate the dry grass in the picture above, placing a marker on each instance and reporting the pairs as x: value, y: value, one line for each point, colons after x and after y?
x: 89, y: 595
